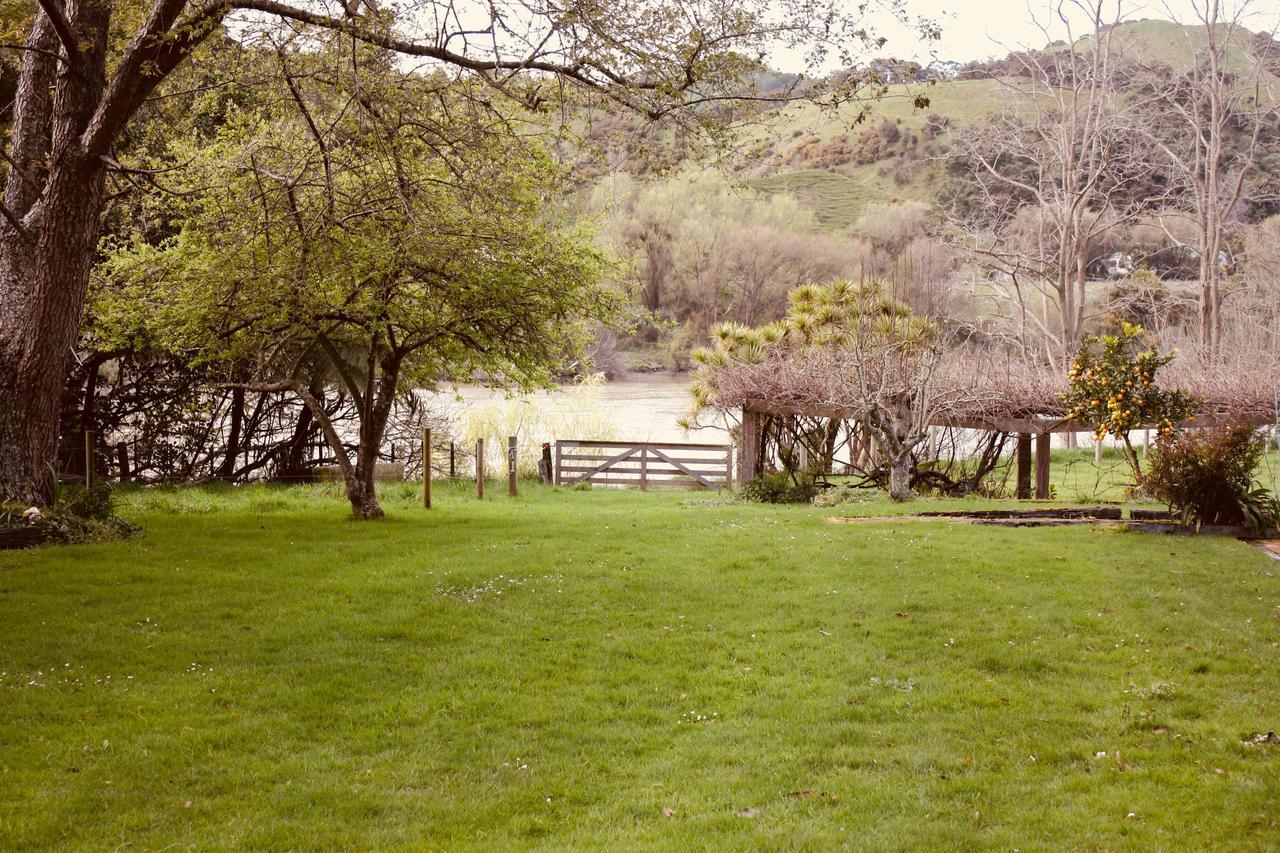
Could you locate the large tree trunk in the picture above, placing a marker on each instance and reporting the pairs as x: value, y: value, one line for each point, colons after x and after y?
x: 35, y: 351
x: 900, y: 477
x: 47, y: 251
x: 65, y: 121
x: 361, y: 492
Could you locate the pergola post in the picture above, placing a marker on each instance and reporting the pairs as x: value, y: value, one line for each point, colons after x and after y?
x: 748, y: 445
x: 1042, y: 466
x: 1022, y: 489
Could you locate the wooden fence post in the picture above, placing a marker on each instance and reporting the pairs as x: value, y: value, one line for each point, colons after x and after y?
x: 546, y: 469
x: 644, y: 469
x: 511, y: 466
x: 1042, y: 466
x: 749, y: 446
x: 558, y: 476
x: 426, y: 467
x: 479, y: 469
x: 1022, y: 488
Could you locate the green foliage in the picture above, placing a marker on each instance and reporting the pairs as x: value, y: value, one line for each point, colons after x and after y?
x: 77, y: 516
x: 838, y: 314
x: 1113, y: 389
x: 1206, y: 477
x: 381, y: 243
x: 780, y: 487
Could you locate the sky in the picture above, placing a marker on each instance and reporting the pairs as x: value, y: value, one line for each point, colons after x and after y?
x: 979, y: 29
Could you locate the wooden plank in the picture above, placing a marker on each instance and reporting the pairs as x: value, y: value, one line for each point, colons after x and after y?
x: 748, y: 445
x: 558, y: 480
x: 1042, y: 466
x: 674, y: 484
x: 708, y: 483
x: 603, y: 465
x: 573, y: 442
x: 587, y: 465
x: 1022, y: 489
x: 479, y: 469
x: 717, y: 461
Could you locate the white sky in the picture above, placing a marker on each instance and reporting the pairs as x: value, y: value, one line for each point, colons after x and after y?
x: 979, y: 29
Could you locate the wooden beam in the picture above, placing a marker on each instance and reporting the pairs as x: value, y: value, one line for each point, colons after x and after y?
x: 684, y: 469
x: 748, y: 446
x: 1042, y: 466
x: 1022, y: 487
x: 613, y: 460
x: 479, y: 469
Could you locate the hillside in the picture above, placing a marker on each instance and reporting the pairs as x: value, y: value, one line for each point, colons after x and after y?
x: 837, y: 162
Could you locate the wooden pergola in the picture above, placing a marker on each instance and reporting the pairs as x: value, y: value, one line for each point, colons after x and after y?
x: 1039, y: 427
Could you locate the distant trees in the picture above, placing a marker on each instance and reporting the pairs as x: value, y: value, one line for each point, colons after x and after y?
x: 1102, y: 150
x: 703, y: 250
x: 1039, y: 187
x: 1213, y: 124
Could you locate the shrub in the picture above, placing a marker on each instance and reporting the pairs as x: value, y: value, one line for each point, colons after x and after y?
x: 780, y: 488
x: 1207, y: 477
x: 1113, y: 390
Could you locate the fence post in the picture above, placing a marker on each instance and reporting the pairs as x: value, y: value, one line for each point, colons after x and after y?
x: 426, y: 467
x: 749, y: 446
x: 479, y: 469
x: 546, y: 472
x: 511, y: 466
x: 558, y: 475
x: 453, y: 471
x: 1022, y: 490
x: 728, y: 469
x: 644, y: 468
x: 1042, y: 466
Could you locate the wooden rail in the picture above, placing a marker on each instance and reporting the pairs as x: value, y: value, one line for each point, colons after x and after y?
x: 644, y: 464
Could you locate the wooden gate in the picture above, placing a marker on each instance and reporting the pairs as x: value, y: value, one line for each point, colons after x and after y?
x: 644, y: 464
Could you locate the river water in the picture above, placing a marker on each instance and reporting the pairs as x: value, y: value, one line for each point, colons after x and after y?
x: 643, y: 408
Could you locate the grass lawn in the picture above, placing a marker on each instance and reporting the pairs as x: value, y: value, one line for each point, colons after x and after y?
x: 619, y: 670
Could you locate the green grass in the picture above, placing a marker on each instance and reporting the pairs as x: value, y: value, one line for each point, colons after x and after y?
x: 623, y: 670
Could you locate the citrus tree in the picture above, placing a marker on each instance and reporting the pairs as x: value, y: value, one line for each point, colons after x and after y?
x: 1113, y: 389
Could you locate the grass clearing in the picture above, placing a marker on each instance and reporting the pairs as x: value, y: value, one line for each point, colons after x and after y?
x: 615, y: 669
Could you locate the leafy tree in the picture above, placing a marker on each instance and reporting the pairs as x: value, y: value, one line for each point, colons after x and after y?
x: 884, y: 355
x: 88, y: 68
x: 1113, y: 390
x: 328, y: 239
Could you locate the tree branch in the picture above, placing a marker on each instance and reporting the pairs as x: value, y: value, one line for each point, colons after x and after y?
x: 63, y: 28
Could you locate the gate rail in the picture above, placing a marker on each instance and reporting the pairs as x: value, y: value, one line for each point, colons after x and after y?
x: 644, y: 464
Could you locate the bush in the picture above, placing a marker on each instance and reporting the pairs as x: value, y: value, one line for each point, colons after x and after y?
x: 779, y: 488
x: 1113, y: 390
x: 1207, y: 477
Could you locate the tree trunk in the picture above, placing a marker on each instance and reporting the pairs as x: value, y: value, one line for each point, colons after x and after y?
x: 900, y: 477
x: 35, y: 351
x: 361, y: 492
x: 227, y: 469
